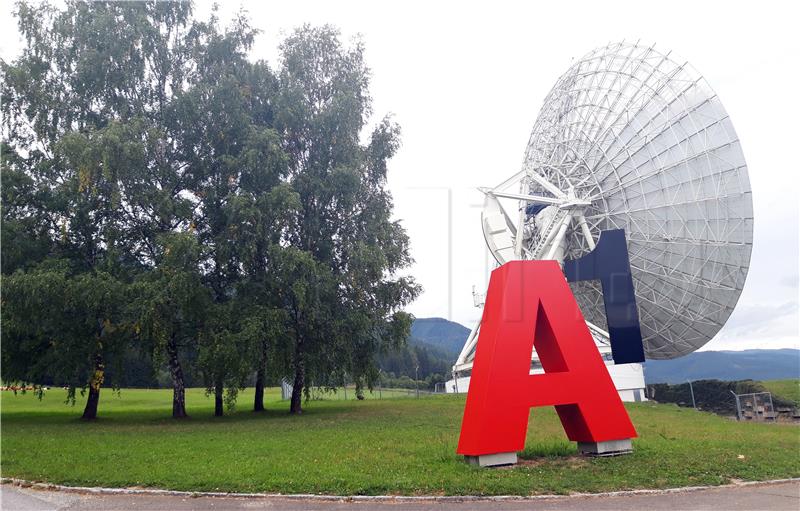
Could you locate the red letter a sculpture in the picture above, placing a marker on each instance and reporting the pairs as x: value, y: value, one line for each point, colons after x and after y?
x: 529, y: 304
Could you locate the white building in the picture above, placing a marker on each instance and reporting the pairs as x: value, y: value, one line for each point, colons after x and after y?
x: 628, y: 379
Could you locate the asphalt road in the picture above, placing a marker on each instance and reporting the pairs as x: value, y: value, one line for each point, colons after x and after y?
x: 778, y: 496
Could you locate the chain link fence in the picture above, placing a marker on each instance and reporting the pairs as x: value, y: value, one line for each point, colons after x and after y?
x: 348, y: 392
x: 756, y: 406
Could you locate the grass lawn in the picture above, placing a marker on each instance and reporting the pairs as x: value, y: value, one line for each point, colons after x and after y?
x: 787, y: 389
x: 376, y: 446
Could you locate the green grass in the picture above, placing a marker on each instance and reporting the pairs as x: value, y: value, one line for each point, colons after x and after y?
x: 787, y: 389
x: 386, y: 446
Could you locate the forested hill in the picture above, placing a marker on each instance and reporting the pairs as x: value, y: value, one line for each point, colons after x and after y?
x: 447, y: 336
x: 726, y: 365
x: 433, y: 346
x: 444, y: 340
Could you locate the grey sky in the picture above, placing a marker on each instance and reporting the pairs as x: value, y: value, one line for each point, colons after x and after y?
x: 465, y: 81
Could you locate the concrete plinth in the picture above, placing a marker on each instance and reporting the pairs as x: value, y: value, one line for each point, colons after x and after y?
x: 607, y: 448
x: 492, y: 460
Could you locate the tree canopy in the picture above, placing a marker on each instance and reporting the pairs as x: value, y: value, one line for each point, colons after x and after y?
x: 164, y: 194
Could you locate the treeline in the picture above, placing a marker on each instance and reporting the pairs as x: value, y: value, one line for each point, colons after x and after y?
x: 405, y: 366
x: 412, y: 362
x: 168, y: 201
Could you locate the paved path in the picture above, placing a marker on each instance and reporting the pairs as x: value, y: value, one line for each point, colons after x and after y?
x: 778, y: 496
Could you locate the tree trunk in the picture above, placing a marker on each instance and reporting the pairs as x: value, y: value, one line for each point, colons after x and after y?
x: 218, y: 410
x: 258, y: 404
x: 178, y: 386
x: 90, y: 411
x: 299, y: 379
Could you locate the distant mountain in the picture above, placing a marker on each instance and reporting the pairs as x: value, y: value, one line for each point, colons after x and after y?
x: 725, y: 365
x: 446, y: 336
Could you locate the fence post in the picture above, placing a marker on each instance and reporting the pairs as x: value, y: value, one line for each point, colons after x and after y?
x: 738, y: 408
x: 416, y: 379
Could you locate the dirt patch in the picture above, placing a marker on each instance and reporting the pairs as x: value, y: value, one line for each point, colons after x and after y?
x: 575, y: 461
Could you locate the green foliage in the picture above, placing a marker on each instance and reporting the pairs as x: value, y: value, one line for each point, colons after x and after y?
x: 343, y: 233
x: 92, y: 180
x: 415, y: 360
x: 59, y: 323
x: 244, y: 225
x: 391, y: 446
x: 22, y: 217
x: 784, y: 390
x: 389, y: 380
x: 170, y: 303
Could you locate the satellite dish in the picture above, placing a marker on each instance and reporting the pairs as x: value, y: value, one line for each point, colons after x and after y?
x: 631, y: 138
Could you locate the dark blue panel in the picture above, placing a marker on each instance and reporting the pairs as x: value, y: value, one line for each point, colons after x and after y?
x: 609, y: 264
x: 533, y: 209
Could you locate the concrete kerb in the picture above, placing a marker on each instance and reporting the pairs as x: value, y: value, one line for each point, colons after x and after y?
x: 371, y: 498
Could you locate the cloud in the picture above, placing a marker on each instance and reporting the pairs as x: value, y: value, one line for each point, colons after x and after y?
x: 760, y: 326
x: 748, y: 317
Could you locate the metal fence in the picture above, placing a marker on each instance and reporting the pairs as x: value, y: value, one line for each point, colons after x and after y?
x: 348, y: 392
x: 754, y: 407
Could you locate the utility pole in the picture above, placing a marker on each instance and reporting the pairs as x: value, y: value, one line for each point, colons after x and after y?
x: 692, y: 391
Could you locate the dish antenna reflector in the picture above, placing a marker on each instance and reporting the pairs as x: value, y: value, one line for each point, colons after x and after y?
x: 632, y: 138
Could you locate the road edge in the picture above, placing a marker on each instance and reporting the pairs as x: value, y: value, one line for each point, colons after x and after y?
x: 22, y: 483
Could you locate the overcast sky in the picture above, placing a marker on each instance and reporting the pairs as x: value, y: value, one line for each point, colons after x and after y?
x: 465, y: 82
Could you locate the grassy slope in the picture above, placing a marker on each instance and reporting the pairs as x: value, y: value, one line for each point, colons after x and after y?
x: 403, y: 446
x: 787, y: 389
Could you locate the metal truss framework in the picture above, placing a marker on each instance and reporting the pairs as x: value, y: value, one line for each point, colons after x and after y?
x: 630, y: 138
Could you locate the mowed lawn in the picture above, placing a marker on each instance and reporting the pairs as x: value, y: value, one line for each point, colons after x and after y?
x: 377, y: 446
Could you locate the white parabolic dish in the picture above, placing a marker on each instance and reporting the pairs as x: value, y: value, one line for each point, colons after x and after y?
x: 631, y: 138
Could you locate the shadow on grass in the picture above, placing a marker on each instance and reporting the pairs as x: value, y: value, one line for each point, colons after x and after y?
x: 201, y: 414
